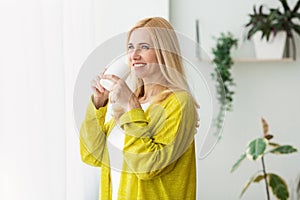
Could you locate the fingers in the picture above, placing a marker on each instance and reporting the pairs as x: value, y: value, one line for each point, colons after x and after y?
x: 119, y: 87
x: 115, y: 93
x: 113, y: 97
x: 96, y: 86
x: 120, y: 93
x: 99, y: 86
x: 102, y: 73
x: 96, y: 91
x: 110, y: 77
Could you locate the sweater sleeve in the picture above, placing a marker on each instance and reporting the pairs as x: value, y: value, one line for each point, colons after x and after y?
x: 93, y: 135
x: 152, y: 146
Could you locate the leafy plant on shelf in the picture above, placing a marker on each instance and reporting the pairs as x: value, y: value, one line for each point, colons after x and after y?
x: 223, y: 62
x: 273, y: 20
x: 257, y: 149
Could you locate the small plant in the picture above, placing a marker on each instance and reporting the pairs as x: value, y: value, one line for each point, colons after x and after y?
x: 223, y: 61
x: 273, y: 20
x: 258, y: 149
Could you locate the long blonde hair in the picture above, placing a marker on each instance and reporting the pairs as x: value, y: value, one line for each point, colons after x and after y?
x: 168, y: 54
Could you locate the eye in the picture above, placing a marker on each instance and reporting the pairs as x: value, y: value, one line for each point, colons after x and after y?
x: 144, y: 46
x: 130, y: 47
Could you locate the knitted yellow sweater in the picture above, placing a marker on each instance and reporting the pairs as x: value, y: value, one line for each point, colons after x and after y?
x: 159, y: 151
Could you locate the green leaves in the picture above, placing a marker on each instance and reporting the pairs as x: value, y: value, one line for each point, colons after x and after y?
x: 222, y: 74
x: 284, y: 149
x: 275, y: 182
x: 237, y: 163
x: 278, y: 186
x: 273, y: 20
x: 222, y: 60
x: 256, y: 148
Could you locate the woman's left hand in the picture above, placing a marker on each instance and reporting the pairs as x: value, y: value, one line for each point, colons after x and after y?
x: 121, y: 94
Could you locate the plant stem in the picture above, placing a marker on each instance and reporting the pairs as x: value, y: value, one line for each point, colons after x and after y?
x: 294, y: 47
x: 265, y: 177
x: 287, y: 47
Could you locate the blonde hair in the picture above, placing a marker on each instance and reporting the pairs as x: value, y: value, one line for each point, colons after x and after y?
x: 168, y: 54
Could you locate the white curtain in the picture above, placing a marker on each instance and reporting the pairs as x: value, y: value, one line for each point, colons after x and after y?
x: 32, y: 143
x: 43, y: 44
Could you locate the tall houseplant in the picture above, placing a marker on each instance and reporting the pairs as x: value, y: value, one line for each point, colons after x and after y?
x: 257, y: 149
x: 273, y: 20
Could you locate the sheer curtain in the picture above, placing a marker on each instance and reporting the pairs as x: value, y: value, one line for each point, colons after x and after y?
x: 43, y: 44
x: 32, y: 142
x: 38, y: 66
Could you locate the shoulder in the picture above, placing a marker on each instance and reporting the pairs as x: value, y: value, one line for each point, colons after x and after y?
x: 180, y: 97
x: 177, y: 101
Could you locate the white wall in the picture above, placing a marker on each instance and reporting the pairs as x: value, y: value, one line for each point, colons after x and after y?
x: 263, y: 89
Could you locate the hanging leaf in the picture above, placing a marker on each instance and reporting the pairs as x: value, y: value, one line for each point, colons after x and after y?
x: 223, y: 62
x: 237, y: 163
x: 256, y: 148
x: 284, y: 149
x: 278, y: 186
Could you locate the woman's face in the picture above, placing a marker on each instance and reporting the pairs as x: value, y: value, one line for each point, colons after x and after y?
x: 142, y: 56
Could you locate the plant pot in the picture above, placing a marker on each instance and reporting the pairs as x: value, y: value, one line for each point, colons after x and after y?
x: 272, y: 49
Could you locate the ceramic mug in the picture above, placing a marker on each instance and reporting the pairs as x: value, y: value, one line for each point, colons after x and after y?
x: 118, y: 68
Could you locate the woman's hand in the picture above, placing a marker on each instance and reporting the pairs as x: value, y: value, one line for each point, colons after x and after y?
x: 121, y: 94
x: 100, y: 94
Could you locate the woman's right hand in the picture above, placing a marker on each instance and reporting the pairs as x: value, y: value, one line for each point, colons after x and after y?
x: 100, y: 94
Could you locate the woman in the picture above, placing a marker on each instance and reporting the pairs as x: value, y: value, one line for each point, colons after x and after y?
x: 155, y: 128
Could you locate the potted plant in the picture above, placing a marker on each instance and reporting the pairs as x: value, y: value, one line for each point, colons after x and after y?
x: 271, y: 21
x: 257, y: 149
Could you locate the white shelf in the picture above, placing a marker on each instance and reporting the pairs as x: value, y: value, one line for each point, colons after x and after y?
x: 254, y: 60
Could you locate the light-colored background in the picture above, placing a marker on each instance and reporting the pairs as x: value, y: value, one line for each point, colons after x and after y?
x: 43, y: 45
x: 269, y: 90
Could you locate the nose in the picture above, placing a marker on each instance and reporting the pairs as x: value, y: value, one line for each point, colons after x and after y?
x: 135, y: 54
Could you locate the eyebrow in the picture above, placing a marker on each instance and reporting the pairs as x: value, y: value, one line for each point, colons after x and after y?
x: 139, y: 43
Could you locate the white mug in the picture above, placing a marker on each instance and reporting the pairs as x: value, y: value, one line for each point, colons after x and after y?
x: 118, y: 68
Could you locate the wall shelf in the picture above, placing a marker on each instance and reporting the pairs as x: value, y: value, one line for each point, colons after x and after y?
x: 254, y: 60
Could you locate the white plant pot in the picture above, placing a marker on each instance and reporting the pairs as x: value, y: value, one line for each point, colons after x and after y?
x: 273, y: 49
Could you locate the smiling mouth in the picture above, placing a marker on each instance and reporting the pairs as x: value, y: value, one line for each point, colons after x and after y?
x: 138, y: 65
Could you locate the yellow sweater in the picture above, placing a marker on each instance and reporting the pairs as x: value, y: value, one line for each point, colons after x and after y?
x: 159, y: 151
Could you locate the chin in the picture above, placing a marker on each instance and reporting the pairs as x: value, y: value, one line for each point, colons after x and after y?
x: 139, y: 76
x: 140, y: 73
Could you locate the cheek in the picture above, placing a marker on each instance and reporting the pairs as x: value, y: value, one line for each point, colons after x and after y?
x: 154, y: 68
x: 128, y: 55
x: 152, y: 57
x: 129, y: 59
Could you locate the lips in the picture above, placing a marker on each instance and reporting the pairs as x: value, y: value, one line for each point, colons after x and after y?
x: 137, y: 65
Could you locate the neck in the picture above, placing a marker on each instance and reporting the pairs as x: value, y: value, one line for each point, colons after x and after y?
x: 151, y: 90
